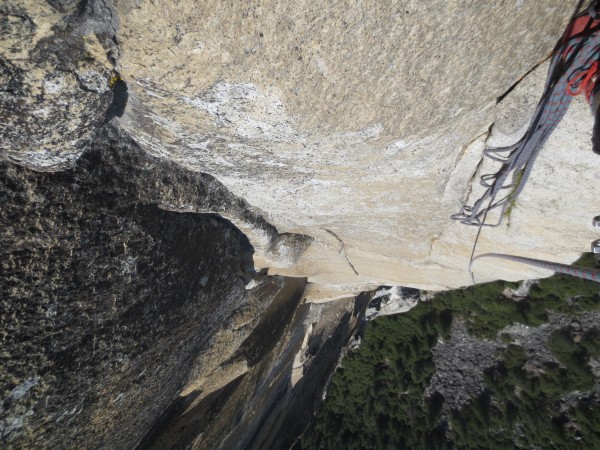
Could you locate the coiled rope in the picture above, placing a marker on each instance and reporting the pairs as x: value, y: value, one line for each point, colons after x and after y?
x: 573, y: 70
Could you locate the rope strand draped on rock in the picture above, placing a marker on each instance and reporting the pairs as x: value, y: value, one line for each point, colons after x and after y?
x: 571, y: 70
x: 588, y: 274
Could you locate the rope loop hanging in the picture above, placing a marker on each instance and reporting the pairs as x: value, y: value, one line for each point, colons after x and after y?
x: 573, y: 70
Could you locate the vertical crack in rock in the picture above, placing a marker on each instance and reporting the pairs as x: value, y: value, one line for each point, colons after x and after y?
x: 343, y: 250
x: 520, y: 80
x: 492, y: 127
x: 474, y: 175
x: 108, y: 297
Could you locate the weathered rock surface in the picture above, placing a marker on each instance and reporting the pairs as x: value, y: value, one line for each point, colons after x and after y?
x: 358, y: 125
x: 56, y: 74
x: 459, y: 366
x: 126, y: 292
x: 106, y: 297
x: 326, y: 142
x: 117, y: 309
x: 461, y: 361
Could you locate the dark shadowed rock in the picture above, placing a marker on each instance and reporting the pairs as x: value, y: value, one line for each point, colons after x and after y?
x: 124, y: 311
x: 106, y: 298
x: 136, y: 305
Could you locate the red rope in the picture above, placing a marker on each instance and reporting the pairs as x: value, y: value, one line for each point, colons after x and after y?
x: 584, y: 82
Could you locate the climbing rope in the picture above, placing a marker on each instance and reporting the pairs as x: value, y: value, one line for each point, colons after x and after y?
x: 573, y: 70
x: 588, y: 274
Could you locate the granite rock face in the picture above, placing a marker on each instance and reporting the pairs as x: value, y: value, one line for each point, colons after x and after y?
x: 155, y: 157
x: 106, y: 299
x: 118, y: 308
x: 361, y: 126
x: 56, y: 78
x: 354, y: 131
x: 126, y: 289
